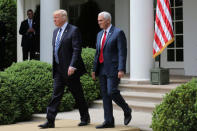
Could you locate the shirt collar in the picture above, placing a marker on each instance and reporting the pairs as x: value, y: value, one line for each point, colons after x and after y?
x: 64, y: 26
x: 108, y: 29
x: 29, y: 19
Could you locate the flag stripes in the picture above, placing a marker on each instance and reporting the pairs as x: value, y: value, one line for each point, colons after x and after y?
x: 163, y: 27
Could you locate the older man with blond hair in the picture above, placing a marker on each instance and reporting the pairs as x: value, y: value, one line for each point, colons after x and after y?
x: 68, y: 66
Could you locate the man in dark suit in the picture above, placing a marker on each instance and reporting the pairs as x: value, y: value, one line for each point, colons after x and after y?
x: 110, y: 66
x: 28, y: 31
x: 67, y: 68
x: 2, y: 43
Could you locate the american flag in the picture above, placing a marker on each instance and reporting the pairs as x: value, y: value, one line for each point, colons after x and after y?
x: 163, y: 27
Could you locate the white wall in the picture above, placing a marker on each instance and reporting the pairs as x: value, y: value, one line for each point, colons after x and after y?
x: 190, y: 41
x: 122, y: 21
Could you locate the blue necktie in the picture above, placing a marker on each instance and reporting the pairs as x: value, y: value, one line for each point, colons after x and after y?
x: 57, y: 45
x: 30, y: 23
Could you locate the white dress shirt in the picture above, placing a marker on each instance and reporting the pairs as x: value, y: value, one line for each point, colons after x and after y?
x: 107, y: 32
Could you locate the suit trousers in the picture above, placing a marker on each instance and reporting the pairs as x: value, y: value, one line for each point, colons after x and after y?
x: 109, y: 92
x: 26, y: 52
x: 74, y: 86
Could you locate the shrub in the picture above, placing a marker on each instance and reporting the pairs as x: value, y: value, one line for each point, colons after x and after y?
x: 9, y: 109
x: 88, y: 58
x: 33, y: 82
x: 178, y: 110
x: 8, y: 15
x: 91, y: 88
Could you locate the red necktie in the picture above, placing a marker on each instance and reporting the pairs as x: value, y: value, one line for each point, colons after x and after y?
x: 102, y: 45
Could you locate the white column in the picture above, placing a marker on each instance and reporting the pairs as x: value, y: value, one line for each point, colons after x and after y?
x: 47, y: 7
x: 190, y: 41
x: 20, y: 17
x: 122, y: 22
x: 141, y: 39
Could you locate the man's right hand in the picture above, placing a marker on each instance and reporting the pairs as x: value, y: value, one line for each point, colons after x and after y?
x: 93, y: 76
x: 31, y: 30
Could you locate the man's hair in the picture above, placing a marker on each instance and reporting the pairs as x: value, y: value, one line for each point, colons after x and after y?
x: 30, y: 10
x: 63, y: 13
x: 106, y: 15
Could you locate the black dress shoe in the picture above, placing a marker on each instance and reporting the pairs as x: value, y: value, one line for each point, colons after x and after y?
x: 127, y: 117
x: 105, y: 125
x: 84, y: 122
x: 47, y: 124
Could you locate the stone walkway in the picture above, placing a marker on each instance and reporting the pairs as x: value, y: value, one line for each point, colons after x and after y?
x: 139, y: 119
x: 61, y: 125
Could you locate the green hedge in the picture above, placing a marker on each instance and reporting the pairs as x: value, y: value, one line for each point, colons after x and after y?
x: 9, y: 109
x: 91, y: 88
x: 178, y: 110
x: 88, y: 58
x: 33, y: 83
x: 28, y: 88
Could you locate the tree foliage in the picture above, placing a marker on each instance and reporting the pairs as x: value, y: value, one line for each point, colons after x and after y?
x: 8, y: 15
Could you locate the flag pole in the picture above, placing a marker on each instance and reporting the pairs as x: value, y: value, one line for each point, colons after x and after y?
x: 159, y: 60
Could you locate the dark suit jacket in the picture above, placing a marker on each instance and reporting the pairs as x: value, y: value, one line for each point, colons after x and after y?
x: 114, y: 52
x: 69, y: 52
x: 28, y: 39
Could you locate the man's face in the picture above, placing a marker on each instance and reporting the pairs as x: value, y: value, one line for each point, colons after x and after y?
x: 103, y: 23
x: 30, y: 14
x: 58, y: 20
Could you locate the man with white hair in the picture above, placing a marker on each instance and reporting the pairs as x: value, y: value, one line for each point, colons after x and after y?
x: 110, y: 66
x: 68, y: 66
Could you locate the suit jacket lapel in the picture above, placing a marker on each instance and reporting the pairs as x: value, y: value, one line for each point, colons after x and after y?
x: 27, y: 24
x: 64, y: 33
x: 109, y: 35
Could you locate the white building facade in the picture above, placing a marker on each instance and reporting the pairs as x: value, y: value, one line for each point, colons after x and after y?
x: 136, y: 18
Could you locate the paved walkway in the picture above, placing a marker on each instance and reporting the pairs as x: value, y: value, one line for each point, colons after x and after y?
x: 61, y: 125
x: 139, y: 119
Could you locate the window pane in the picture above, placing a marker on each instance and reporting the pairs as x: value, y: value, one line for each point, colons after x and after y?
x: 179, y: 27
x: 172, y: 3
x: 171, y: 45
x: 178, y: 3
x: 71, y: 11
x: 179, y: 55
x: 170, y: 55
x: 172, y: 10
x: 179, y: 41
x: 173, y: 26
x: 179, y: 13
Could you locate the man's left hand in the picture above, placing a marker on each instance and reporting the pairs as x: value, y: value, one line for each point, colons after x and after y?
x: 120, y: 74
x: 71, y: 71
